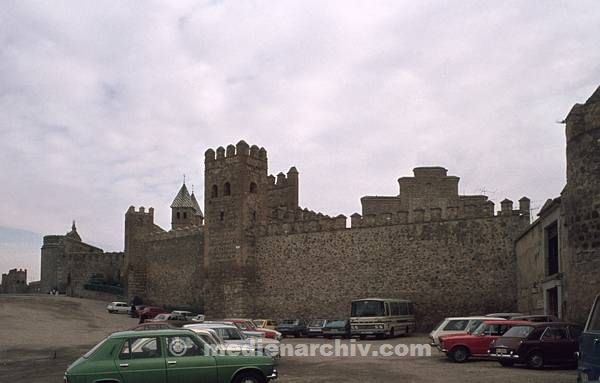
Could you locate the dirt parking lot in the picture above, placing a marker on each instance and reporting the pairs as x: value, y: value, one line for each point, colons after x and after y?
x: 41, y: 335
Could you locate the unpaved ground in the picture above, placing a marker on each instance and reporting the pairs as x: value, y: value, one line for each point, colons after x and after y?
x: 41, y: 335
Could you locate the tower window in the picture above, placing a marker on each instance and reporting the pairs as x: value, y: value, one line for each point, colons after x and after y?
x: 184, y: 215
x: 222, y: 216
x: 227, y: 189
x: 253, y: 187
x: 178, y: 215
x: 215, y: 191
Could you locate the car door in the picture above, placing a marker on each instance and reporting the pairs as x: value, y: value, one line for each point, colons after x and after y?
x: 141, y: 360
x: 479, y: 345
x: 590, y: 340
x: 189, y: 360
x: 555, y: 345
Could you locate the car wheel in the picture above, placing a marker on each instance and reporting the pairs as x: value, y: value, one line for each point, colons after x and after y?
x: 507, y: 363
x: 392, y: 333
x: 249, y: 377
x: 362, y: 337
x: 535, y: 360
x: 459, y: 354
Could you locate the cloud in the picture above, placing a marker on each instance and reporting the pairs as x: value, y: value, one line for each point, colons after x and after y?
x: 102, y: 107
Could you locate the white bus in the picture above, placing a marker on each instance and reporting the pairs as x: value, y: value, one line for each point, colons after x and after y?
x: 382, y: 317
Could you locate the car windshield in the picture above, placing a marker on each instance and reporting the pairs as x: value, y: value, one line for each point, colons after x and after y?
x: 96, y: 347
x: 368, y: 309
x: 289, y: 322
x: 316, y: 323
x: 162, y: 317
x: 480, y: 330
x: 473, y: 326
x: 336, y: 323
x: 229, y: 333
x: 519, y: 332
x: 260, y: 323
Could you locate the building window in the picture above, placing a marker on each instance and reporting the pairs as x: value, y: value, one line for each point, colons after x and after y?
x: 253, y: 215
x: 222, y: 216
x: 178, y: 215
x: 184, y: 215
x: 227, y: 189
x: 552, y: 249
x: 215, y: 191
x: 253, y: 187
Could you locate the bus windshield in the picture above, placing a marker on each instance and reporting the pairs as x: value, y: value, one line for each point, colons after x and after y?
x: 368, y: 309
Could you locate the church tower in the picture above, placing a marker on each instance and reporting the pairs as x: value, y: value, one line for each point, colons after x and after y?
x: 185, y: 210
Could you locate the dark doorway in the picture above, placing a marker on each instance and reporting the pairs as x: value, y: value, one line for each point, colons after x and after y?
x: 552, y: 251
x: 552, y: 301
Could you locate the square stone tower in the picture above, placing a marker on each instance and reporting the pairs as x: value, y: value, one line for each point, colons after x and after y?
x: 235, y: 200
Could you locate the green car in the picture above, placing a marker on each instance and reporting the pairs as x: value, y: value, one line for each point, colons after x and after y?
x: 161, y: 356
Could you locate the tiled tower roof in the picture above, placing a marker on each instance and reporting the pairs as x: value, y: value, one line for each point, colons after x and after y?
x: 183, y: 199
x: 196, y: 205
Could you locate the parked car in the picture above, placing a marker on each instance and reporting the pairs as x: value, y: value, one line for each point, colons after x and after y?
x: 209, y: 336
x: 166, y: 355
x: 538, y: 344
x: 340, y: 327
x: 589, y: 347
x: 265, y: 323
x: 172, y: 319
x: 247, y: 326
x: 315, y: 327
x: 188, y: 315
x: 117, y: 307
x: 459, y: 348
x: 295, y: 327
x: 149, y: 312
x: 231, y: 335
x: 504, y: 315
x: 537, y: 318
x: 456, y: 325
x: 198, y: 318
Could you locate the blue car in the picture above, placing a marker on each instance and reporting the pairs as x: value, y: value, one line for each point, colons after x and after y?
x: 589, y: 347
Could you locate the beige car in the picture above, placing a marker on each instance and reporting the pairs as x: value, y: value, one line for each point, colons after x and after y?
x: 265, y: 323
x: 456, y: 325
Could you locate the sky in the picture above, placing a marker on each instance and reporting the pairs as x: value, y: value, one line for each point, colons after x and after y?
x: 104, y: 105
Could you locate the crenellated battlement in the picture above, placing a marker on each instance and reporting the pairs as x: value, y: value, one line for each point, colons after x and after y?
x: 141, y: 211
x: 480, y: 207
x: 241, y: 149
x: 283, y: 221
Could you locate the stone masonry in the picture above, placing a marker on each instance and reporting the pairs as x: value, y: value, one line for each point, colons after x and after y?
x: 254, y: 251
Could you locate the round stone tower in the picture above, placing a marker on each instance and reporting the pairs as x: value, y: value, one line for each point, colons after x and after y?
x: 581, y: 207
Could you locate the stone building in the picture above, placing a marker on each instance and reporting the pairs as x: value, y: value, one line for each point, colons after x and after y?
x: 68, y: 264
x: 558, y: 258
x: 254, y: 252
x: 14, y: 282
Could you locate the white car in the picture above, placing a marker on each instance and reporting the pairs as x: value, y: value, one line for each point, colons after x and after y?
x: 118, y: 307
x: 232, y: 336
x: 456, y: 325
x: 181, y: 313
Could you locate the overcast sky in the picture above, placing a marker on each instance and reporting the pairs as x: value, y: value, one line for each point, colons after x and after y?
x: 107, y: 104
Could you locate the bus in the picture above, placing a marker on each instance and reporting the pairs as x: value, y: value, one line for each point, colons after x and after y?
x: 382, y: 317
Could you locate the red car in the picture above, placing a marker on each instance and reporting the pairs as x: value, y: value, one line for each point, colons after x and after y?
x: 459, y: 348
x: 150, y: 312
x: 248, y: 325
